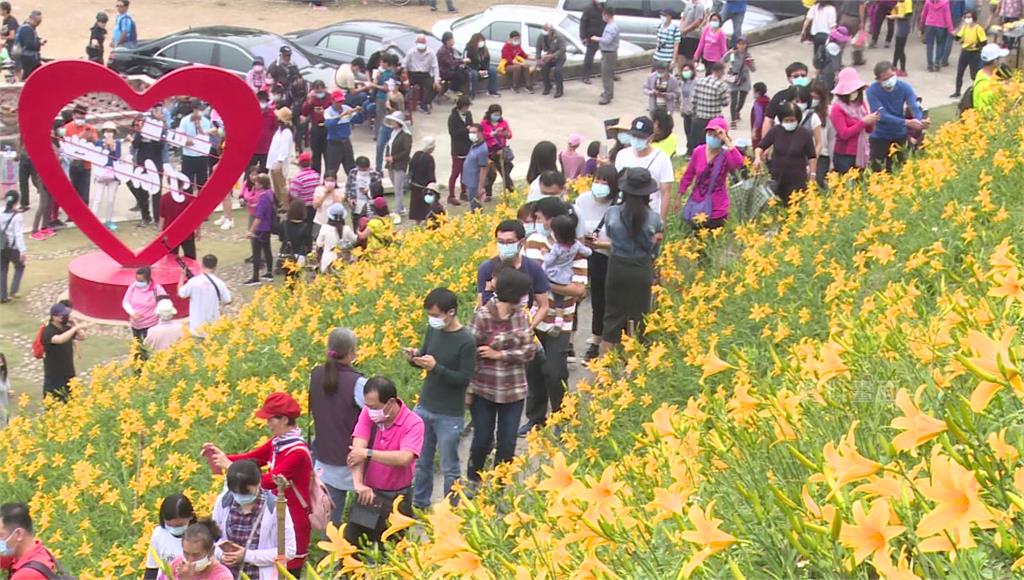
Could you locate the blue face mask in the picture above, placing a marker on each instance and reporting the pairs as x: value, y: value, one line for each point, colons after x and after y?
x: 428, y: 199
x: 176, y: 531
x: 600, y: 190
x: 508, y: 251
x: 5, y: 549
x: 244, y: 498
x: 713, y: 141
x: 495, y: 118
x: 625, y: 139
x: 639, y: 143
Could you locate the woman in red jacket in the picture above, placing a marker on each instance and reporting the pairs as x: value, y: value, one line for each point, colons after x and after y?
x: 287, y: 456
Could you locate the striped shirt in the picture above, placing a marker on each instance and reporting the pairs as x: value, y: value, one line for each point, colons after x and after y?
x: 535, y: 248
x: 668, y: 38
x: 304, y: 185
x: 504, y: 380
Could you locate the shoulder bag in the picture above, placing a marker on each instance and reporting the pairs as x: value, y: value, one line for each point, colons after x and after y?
x: 371, y: 516
x: 694, y: 208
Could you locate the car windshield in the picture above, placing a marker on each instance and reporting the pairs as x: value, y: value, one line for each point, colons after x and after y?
x: 271, y: 49
x: 571, y: 26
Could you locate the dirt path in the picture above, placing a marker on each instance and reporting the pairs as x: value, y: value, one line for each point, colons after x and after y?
x: 66, y: 23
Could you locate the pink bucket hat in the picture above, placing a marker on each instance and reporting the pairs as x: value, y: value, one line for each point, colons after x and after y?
x: 718, y: 123
x: 839, y: 35
x: 848, y: 82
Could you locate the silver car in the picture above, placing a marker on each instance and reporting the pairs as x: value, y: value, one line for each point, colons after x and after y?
x: 497, y: 22
x: 639, y: 19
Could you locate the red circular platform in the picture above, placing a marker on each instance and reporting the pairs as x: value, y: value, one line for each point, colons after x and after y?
x: 97, y: 284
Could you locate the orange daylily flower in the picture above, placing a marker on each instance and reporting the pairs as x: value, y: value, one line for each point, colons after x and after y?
x: 917, y: 427
x: 397, y: 520
x: 844, y: 463
x: 957, y: 493
x: 1008, y: 285
x: 336, y: 544
x: 666, y: 504
x: 987, y: 357
x: 870, y: 533
x: 1003, y: 450
x: 707, y: 533
x: 900, y: 571
x: 561, y: 478
x: 711, y: 364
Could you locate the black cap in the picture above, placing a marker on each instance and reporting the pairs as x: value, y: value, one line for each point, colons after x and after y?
x: 286, y: 49
x: 666, y: 12
x: 637, y: 181
x: 102, y: 17
x: 642, y: 127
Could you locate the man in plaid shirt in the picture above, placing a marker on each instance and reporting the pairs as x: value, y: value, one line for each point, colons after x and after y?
x: 710, y: 95
x: 505, y: 344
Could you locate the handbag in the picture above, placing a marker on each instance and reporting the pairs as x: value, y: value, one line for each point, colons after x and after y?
x: 693, y: 208
x: 7, y: 248
x: 370, y: 516
x: 507, y: 155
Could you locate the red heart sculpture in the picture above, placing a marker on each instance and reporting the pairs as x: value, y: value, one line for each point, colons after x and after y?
x: 53, y: 86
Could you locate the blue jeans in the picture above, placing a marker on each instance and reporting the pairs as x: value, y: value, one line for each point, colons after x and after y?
x: 935, y: 43
x: 486, y: 416
x: 383, y: 134
x: 492, y: 80
x: 737, y: 22
x: 439, y: 431
x: 338, y: 496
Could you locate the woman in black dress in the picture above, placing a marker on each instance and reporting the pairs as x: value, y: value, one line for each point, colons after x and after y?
x: 421, y: 173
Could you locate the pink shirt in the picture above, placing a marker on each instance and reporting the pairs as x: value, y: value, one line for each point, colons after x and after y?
x: 405, y: 434
x: 572, y: 163
x: 712, y: 46
x: 848, y: 128
x: 216, y: 571
x: 720, y: 192
x: 163, y: 335
x: 142, y: 303
x: 936, y: 13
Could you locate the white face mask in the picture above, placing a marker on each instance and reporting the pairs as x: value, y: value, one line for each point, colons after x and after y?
x: 79, y: 122
x: 421, y: 46
x: 474, y: 137
x: 141, y: 285
x: 201, y: 564
x: 436, y: 322
x: 815, y: 103
x: 714, y: 24
x: 481, y: 44
x: 790, y: 126
x: 889, y: 83
x: 968, y: 21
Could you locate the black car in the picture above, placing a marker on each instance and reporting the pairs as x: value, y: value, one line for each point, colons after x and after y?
x: 229, y: 47
x: 342, y: 42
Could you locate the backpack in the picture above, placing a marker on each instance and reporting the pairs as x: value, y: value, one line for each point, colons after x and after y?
x: 320, y: 503
x: 38, y: 350
x: 966, y: 101
x: 57, y: 573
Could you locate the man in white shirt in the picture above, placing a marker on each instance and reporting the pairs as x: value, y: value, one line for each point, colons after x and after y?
x: 642, y: 154
x: 206, y: 292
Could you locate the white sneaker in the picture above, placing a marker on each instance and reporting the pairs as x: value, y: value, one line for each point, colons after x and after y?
x: 397, y: 219
x: 227, y: 224
x: 219, y: 221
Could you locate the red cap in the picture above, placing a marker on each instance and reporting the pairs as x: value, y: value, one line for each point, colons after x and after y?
x: 305, y: 157
x: 380, y: 203
x: 338, y: 96
x: 279, y: 404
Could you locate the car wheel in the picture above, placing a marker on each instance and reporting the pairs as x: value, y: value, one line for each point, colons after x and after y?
x: 152, y: 72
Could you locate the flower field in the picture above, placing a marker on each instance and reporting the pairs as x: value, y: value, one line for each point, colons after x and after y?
x: 835, y: 392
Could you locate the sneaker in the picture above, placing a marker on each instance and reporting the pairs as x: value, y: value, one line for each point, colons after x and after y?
x: 955, y: 96
x: 571, y: 355
x: 227, y: 225
x: 252, y: 282
x: 269, y: 276
x: 219, y: 221
x: 47, y: 232
x: 396, y: 219
x: 38, y: 236
x: 526, y: 428
x: 887, y: 44
x: 593, y: 351
x: 111, y: 226
x: 248, y: 260
x: 454, y: 201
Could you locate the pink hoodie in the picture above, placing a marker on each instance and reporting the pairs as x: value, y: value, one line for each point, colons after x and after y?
x: 936, y: 13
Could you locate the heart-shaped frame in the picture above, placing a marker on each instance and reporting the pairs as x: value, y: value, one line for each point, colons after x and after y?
x: 54, y: 86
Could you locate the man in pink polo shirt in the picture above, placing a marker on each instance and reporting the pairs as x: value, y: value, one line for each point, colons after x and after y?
x: 384, y: 467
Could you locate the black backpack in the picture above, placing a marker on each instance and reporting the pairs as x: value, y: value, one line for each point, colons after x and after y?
x: 58, y: 572
x: 966, y: 101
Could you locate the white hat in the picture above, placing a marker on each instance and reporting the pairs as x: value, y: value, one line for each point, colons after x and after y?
x: 165, y: 310
x: 109, y: 126
x: 427, y: 144
x: 992, y: 52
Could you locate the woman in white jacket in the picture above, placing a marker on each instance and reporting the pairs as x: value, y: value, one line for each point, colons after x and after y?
x: 247, y: 515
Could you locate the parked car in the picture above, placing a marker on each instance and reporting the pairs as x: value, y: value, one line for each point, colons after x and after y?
x: 497, y: 22
x: 228, y: 47
x: 342, y: 42
x: 639, y: 19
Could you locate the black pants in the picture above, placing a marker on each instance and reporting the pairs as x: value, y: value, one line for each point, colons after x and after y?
x: 56, y: 388
x: 317, y: 146
x: 879, y: 153
x: 492, y: 173
x: 899, y: 53
x: 139, y: 335
x: 261, y: 254
x: 81, y: 180
x: 785, y: 185
x: 10, y: 260
x: 299, y: 134
x: 736, y: 101
x: 588, y: 59
x: 546, y: 376
x: 142, y: 200
x: 425, y: 82
x: 26, y: 173
x: 968, y: 58
x: 188, y: 247
x: 821, y: 171
x: 339, y: 153
x: 696, y: 134
x: 197, y: 170
x: 597, y: 266
x: 29, y: 64
x: 546, y: 71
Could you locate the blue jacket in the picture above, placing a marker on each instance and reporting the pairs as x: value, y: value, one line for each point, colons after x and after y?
x: 339, y: 129
x: 889, y: 105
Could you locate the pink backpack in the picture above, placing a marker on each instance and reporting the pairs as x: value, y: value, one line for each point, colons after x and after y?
x: 320, y: 503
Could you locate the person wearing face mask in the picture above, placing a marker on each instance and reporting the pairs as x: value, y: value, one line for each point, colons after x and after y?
x: 662, y: 90
x: 687, y: 88
x: 422, y: 68
x: 551, y: 59
x: 474, y: 168
x: 829, y: 61
x: 888, y: 96
x: 80, y: 171
x: 591, y: 24
x: 386, y: 442
x: 197, y: 559
x: 172, y: 205
x: 435, y: 210
x: 668, y: 37
x: 514, y: 62
x: 139, y: 302
x: 739, y: 64
x: 792, y: 150
x: 22, y: 555
x: 852, y: 121
x: 480, y: 67
x: 497, y: 133
x: 509, y: 236
x: 642, y: 154
x: 289, y: 458
x: 256, y: 76
x: 246, y: 514
x: 316, y: 103
x: 809, y: 117
x: 58, y: 338
x: 176, y: 514
x: 448, y: 355
x: 820, y: 20
x: 422, y: 172
x: 608, y: 42
x: 712, y: 45
x: 459, y: 122
x: 983, y: 93
x: 335, y: 401
x: 796, y: 75
x: 268, y: 126
x: 505, y: 345
x: 972, y: 39
x: 708, y: 171
x: 397, y: 155
x: 324, y: 196
x: 618, y: 131
x: 105, y: 179
x: 590, y: 209
x: 13, y: 251
x: 195, y: 155
x: 357, y: 187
